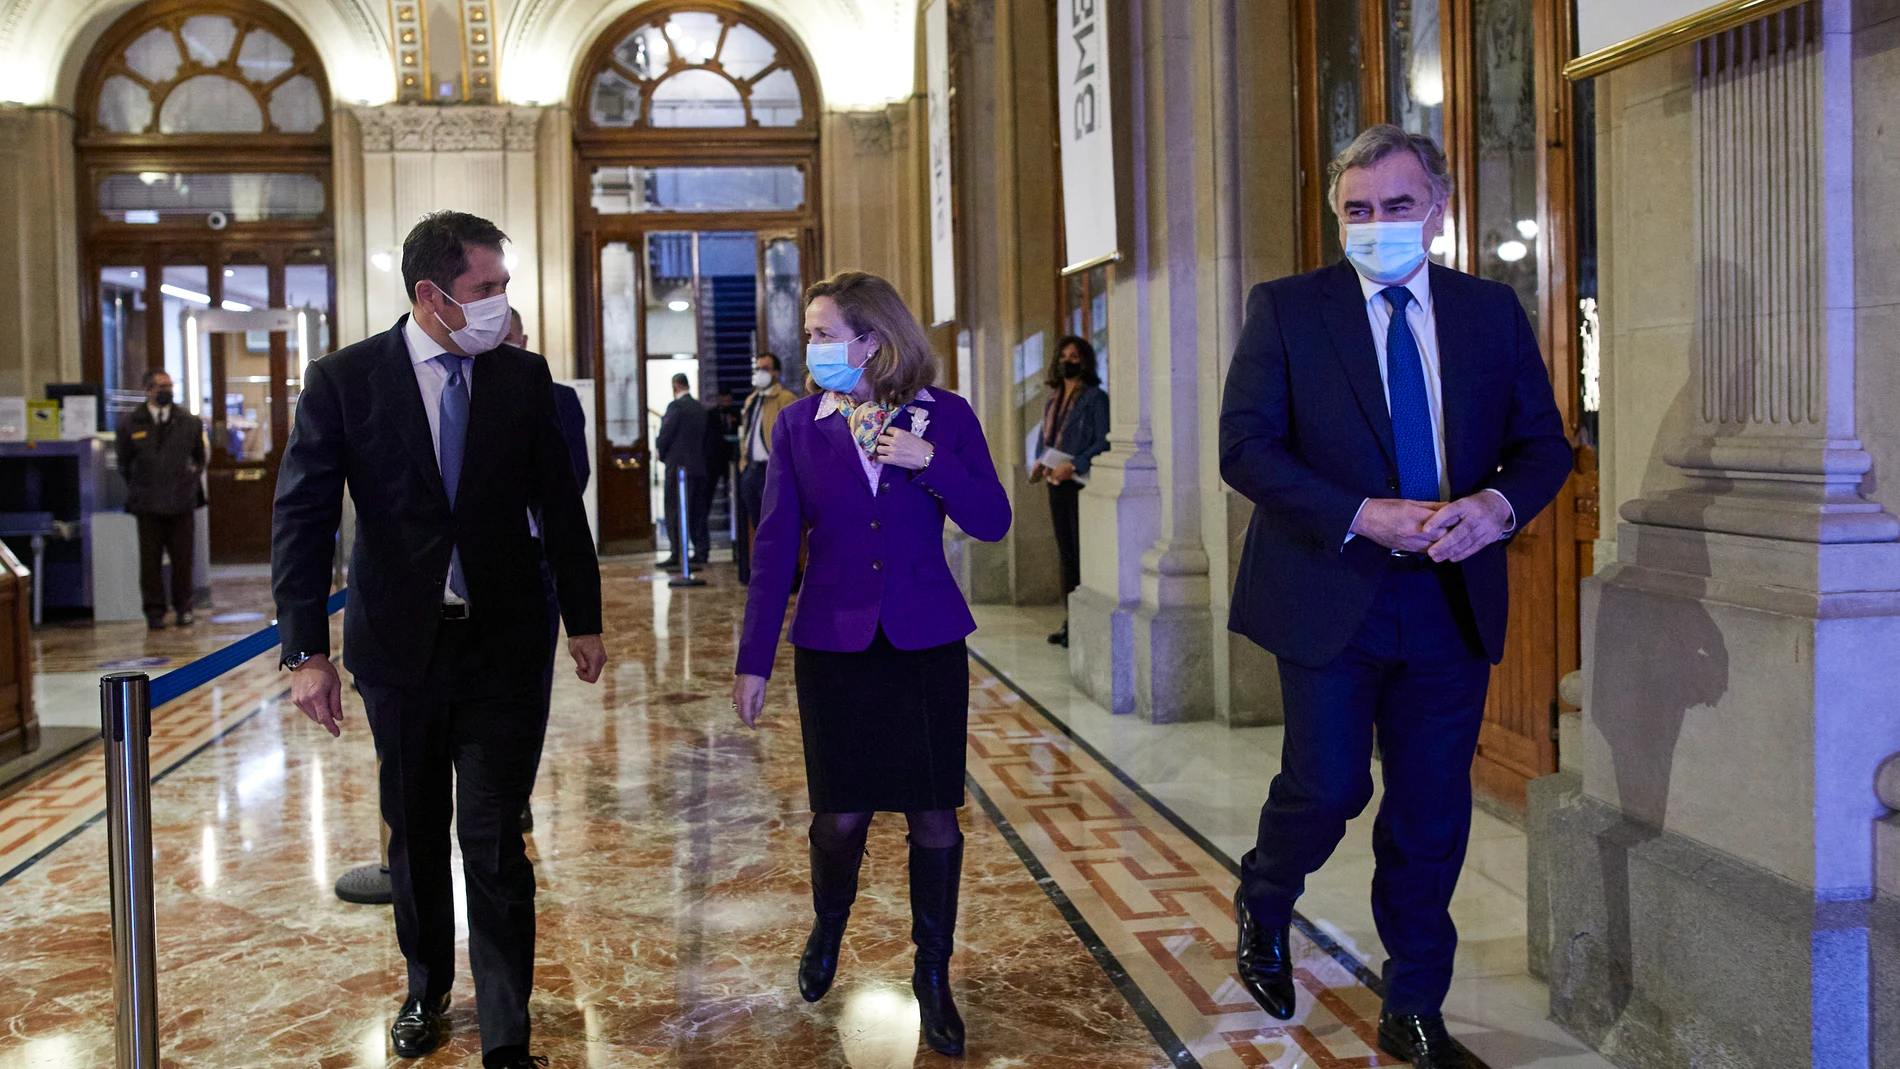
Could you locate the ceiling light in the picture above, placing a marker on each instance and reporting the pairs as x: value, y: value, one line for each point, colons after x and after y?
x: 184, y: 294
x: 679, y: 306
x: 1512, y: 251
x: 1528, y: 228
x: 228, y: 273
x: 235, y: 306
x: 152, y: 178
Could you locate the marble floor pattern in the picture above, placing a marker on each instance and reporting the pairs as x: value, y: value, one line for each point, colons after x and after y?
x: 1213, y: 779
x: 672, y: 893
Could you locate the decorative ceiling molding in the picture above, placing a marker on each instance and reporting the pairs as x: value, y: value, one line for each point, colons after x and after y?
x: 429, y: 128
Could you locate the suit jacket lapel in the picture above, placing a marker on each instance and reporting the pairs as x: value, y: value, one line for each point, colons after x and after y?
x: 1457, y: 363
x: 395, y: 379
x: 836, y: 429
x: 488, y: 400
x: 1351, y: 332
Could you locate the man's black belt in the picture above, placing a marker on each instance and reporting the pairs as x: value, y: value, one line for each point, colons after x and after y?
x: 454, y: 611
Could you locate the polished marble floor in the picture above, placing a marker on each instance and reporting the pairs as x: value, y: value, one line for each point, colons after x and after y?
x: 1214, y: 778
x: 672, y: 894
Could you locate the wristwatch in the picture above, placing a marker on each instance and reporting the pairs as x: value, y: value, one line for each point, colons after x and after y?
x: 294, y: 661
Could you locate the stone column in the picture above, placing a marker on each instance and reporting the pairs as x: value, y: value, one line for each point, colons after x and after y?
x: 494, y: 161
x: 1703, y: 890
x: 39, y: 275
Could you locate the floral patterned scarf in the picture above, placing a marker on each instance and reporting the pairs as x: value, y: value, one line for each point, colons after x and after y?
x: 868, y: 420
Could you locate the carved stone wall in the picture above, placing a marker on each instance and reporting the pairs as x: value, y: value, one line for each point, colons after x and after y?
x: 1760, y: 224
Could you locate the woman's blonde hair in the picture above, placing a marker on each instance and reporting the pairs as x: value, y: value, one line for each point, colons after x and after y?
x: 904, y: 363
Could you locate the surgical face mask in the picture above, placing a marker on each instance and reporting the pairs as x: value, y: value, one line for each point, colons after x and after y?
x: 830, y: 365
x: 763, y: 380
x: 485, y: 323
x: 162, y: 399
x: 1386, y: 252
x: 1070, y: 369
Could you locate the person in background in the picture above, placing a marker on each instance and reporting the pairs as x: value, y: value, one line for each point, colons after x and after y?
x: 682, y: 448
x: 769, y: 398
x: 1074, y: 432
x: 1393, y: 424
x: 162, y: 456
x: 446, y: 440
x: 865, y: 473
x: 573, y: 422
x: 722, y: 445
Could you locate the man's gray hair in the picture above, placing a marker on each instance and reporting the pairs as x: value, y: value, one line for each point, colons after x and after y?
x: 1378, y: 142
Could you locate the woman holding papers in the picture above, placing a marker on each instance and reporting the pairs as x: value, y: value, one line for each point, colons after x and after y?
x: 1074, y: 432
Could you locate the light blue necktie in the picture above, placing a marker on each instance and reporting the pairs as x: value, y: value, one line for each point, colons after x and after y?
x: 1411, y: 406
x: 453, y: 420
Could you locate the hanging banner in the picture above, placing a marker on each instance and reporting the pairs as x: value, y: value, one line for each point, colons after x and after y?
x: 943, y: 244
x: 1088, y: 134
x: 1612, y: 33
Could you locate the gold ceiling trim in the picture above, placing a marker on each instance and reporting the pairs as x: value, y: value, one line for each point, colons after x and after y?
x: 1705, y: 23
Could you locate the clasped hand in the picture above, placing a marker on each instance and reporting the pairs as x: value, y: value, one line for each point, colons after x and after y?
x: 904, y: 449
x: 1448, y: 532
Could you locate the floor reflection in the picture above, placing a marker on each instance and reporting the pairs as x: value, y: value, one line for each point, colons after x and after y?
x: 673, y: 901
x: 879, y: 1028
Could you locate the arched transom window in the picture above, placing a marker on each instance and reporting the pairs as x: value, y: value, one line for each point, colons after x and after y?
x: 212, y: 72
x: 700, y: 66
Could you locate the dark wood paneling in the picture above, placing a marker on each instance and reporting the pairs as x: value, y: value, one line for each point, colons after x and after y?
x: 19, y: 726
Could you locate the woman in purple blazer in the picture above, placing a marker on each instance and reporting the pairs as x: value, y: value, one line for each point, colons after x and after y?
x: 865, y: 468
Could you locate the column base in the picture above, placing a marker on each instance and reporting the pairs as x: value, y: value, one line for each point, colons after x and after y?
x: 1174, y: 664
x: 1102, y: 650
x: 1660, y: 951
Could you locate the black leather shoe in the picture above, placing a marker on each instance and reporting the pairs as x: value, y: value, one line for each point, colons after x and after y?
x: 527, y: 817
x: 420, y: 1028
x: 1421, y: 1040
x: 834, y: 887
x: 935, y: 874
x: 670, y: 564
x: 1060, y: 638
x: 1264, y: 960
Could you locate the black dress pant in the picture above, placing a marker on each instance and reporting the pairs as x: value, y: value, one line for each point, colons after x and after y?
x: 1415, y: 674
x: 751, y: 511
x: 1064, y: 507
x: 688, y: 527
x: 159, y: 537
x: 463, y: 743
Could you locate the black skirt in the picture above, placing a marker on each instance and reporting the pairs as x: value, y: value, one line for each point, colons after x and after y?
x: 885, y: 729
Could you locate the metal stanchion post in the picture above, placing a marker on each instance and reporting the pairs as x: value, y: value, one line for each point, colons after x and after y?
x: 125, y: 708
x: 686, y: 576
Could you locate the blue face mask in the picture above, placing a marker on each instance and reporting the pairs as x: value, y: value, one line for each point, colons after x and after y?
x: 830, y: 365
x: 1386, y: 253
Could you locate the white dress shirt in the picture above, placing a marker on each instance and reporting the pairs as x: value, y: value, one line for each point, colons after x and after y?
x: 430, y: 378
x: 1423, y: 323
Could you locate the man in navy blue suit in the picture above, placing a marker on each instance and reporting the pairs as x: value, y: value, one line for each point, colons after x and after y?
x: 1393, y: 424
x: 572, y: 420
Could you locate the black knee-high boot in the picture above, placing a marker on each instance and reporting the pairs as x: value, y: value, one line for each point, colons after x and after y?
x: 834, y: 886
x: 935, y: 873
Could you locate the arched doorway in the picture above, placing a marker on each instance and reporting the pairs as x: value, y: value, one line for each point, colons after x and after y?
x: 696, y: 151
x: 204, y: 186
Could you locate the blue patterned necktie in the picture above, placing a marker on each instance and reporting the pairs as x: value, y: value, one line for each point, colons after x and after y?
x: 1411, y: 406
x: 453, y: 419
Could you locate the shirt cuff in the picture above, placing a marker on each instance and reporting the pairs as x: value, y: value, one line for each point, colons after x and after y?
x: 1511, y: 526
x: 1355, y: 522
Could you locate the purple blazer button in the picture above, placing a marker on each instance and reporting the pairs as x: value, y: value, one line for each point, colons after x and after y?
x: 877, y: 565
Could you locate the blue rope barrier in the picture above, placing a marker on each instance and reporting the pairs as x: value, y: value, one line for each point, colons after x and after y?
x: 181, y: 681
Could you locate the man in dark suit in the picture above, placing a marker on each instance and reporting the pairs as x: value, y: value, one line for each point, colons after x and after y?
x: 446, y: 441
x: 573, y: 420
x: 162, y: 456
x: 682, y: 448
x: 1392, y: 423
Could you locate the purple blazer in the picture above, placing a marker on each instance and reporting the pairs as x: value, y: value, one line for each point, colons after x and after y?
x: 871, y: 560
